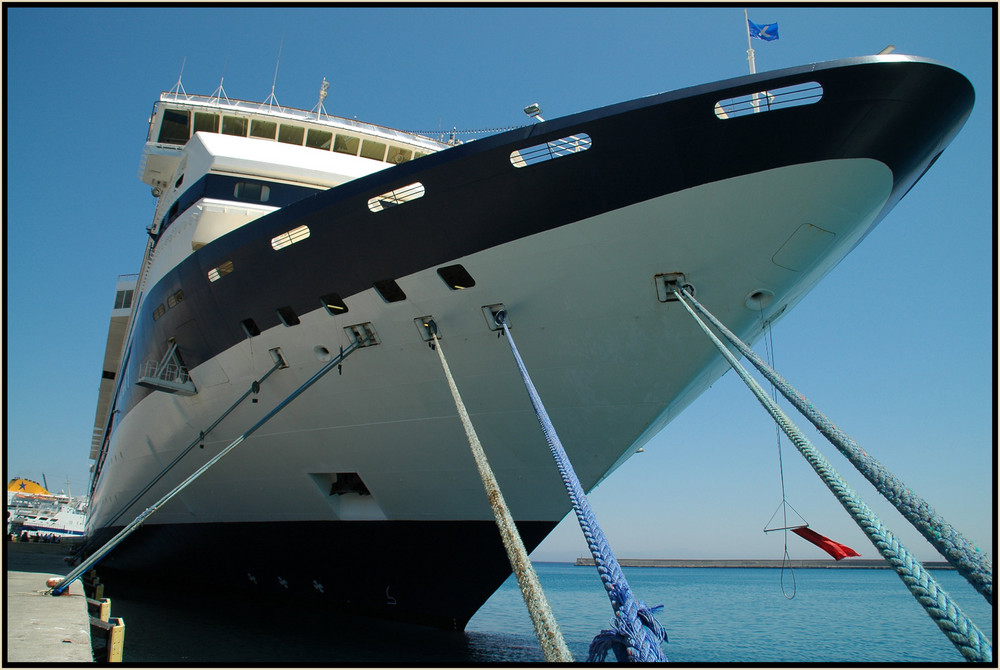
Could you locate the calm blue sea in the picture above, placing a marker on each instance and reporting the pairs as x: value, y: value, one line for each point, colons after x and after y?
x: 736, y: 615
x: 712, y: 615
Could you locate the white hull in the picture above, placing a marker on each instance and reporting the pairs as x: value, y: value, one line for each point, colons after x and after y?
x: 612, y: 362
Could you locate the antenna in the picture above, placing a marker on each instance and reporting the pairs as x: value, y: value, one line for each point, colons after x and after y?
x: 221, y: 92
x: 179, y: 87
x: 319, y: 108
x: 271, y: 99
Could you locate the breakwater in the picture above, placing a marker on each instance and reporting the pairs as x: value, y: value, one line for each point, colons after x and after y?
x: 876, y: 563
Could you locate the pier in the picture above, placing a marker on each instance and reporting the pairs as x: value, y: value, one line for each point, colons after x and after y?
x: 876, y: 563
x: 42, y: 628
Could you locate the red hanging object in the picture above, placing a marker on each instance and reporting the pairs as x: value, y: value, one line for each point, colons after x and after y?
x: 835, y: 549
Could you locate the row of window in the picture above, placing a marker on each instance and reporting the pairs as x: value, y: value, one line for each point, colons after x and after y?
x: 172, y: 301
x: 178, y: 126
x: 456, y: 277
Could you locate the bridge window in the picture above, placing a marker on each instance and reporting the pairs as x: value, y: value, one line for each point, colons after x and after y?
x: 291, y: 134
x: 123, y: 299
x: 373, y: 150
x: 234, y: 125
x: 398, y: 155
x: 319, y: 139
x: 265, y: 129
x: 175, y: 127
x: 346, y: 144
x: 205, y: 122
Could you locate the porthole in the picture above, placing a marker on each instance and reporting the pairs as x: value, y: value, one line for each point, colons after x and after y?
x: 250, y: 327
x: 333, y: 304
x: 174, y: 299
x: 539, y: 153
x: 290, y: 238
x: 396, y: 197
x: 288, y: 316
x: 456, y: 277
x: 389, y: 290
x: 217, y: 273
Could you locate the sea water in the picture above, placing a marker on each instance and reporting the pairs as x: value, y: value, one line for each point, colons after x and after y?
x: 712, y: 615
x: 745, y: 615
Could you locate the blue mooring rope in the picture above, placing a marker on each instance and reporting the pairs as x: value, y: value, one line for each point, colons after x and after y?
x: 966, y: 558
x: 636, y: 634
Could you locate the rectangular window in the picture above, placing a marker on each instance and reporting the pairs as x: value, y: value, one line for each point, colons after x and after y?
x: 234, y: 125
x: 398, y: 155
x: 291, y: 134
x: 288, y: 316
x: 205, y: 122
x: 175, y: 127
x: 265, y: 129
x: 160, y: 311
x: 346, y: 144
x: 123, y: 299
x: 319, y: 139
x: 373, y: 150
x: 251, y: 192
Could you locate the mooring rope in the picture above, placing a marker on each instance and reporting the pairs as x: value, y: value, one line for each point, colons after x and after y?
x: 637, y: 634
x: 962, y: 632
x: 976, y: 567
x: 546, y: 627
x: 152, y: 509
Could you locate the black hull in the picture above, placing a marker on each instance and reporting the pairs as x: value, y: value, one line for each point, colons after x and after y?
x: 429, y: 573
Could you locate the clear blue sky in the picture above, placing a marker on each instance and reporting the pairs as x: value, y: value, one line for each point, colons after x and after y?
x: 896, y: 345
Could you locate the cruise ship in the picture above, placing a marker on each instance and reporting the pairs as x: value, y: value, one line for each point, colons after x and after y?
x: 285, y: 240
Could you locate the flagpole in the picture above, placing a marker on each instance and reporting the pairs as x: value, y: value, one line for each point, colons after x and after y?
x: 750, y: 55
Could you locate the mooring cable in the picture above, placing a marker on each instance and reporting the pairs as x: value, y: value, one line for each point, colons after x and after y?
x: 637, y: 634
x: 963, y: 633
x: 149, y: 511
x: 976, y: 567
x: 546, y: 627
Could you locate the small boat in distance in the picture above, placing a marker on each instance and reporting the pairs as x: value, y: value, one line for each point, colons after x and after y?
x: 282, y: 237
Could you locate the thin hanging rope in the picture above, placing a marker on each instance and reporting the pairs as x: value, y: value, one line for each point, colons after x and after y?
x: 546, y: 627
x: 962, y: 632
x: 967, y: 559
x: 637, y: 634
x: 785, y: 559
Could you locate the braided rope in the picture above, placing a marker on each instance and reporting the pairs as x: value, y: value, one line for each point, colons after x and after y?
x: 976, y: 567
x: 962, y: 632
x: 636, y: 635
x: 546, y: 627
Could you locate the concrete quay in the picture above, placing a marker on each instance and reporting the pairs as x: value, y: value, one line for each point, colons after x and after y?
x: 43, y: 628
x: 760, y: 563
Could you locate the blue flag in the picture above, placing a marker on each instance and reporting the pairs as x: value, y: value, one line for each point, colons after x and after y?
x: 767, y: 32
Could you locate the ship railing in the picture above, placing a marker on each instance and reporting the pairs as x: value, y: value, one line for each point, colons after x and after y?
x: 171, y: 372
x: 249, y: 107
